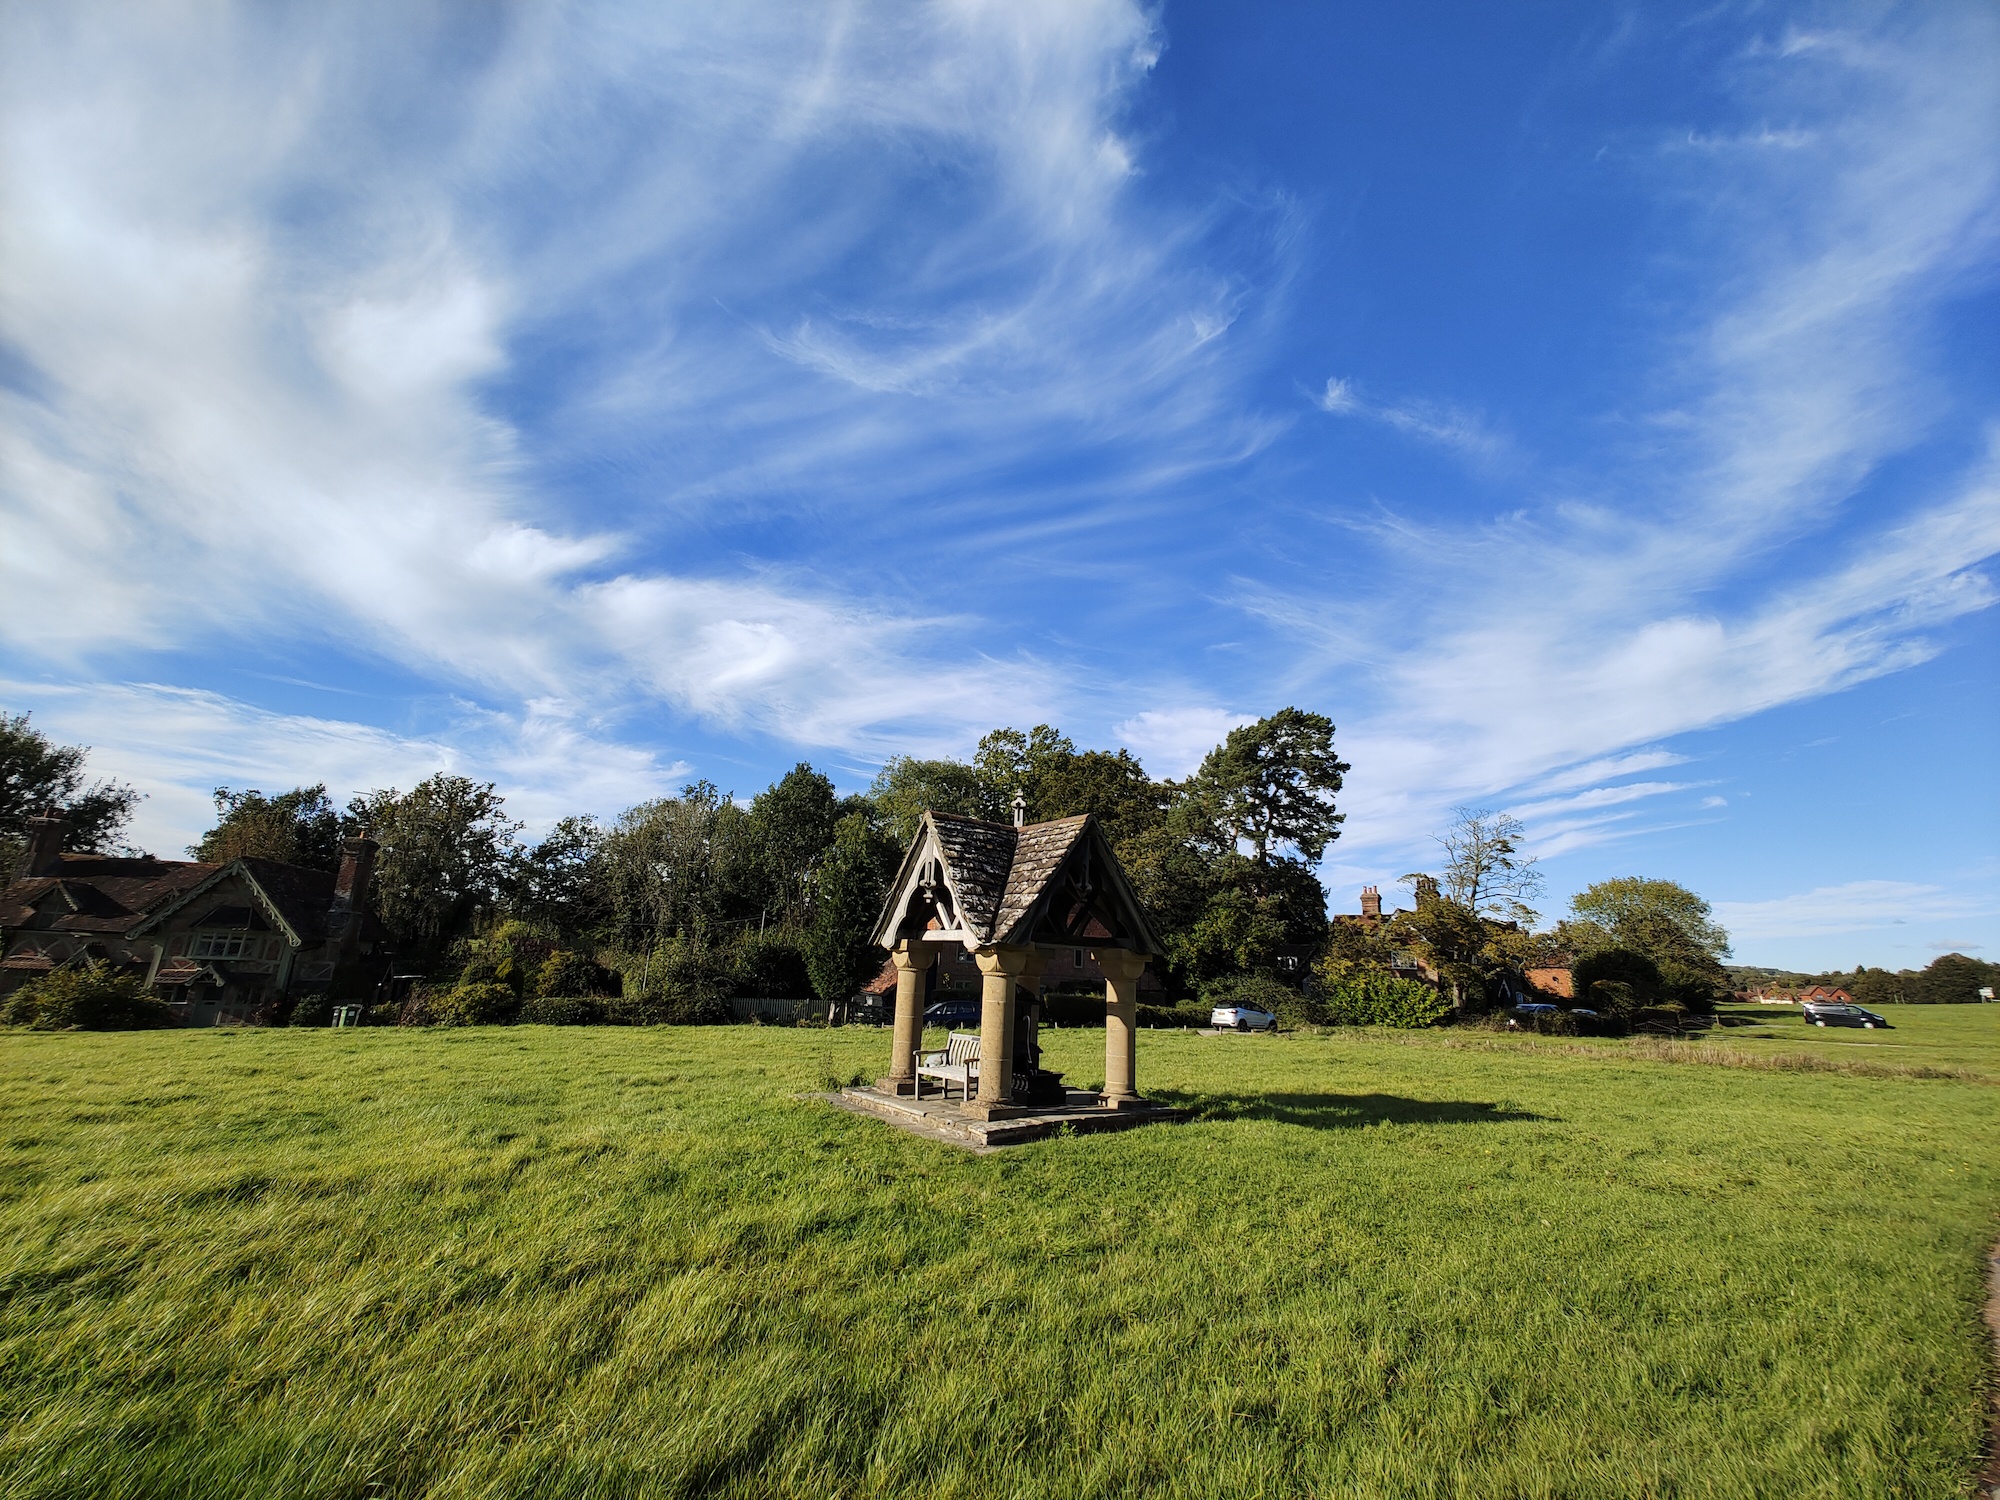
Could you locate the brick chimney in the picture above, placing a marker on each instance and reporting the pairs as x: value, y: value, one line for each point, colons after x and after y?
x: 350, y: 894
x: 1371, y: 904
x: 45, y: 841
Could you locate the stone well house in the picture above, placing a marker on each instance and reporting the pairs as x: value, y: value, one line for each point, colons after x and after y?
x: 219, y: 943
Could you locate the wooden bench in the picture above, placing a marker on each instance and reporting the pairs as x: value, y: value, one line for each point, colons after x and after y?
x: 957, y: 1063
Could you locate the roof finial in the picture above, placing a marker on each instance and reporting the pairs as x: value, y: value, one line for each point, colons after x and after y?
x: 1020, y: 808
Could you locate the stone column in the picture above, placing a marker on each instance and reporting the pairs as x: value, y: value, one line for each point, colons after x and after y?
x: 1000, y: 969
x: 1122, y: 969
x: 911, y: 959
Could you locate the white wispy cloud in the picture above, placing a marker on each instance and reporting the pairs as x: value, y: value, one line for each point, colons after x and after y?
x: 269, y: 280
x: 1174, y: 741
x: 175, y: 745
x: 1430, y: 421
x: 1556, y: 637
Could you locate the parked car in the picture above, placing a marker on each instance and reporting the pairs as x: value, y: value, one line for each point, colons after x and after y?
x: 1831, y: 1013
x: 954, y: 1012
x: 1242, y: 1018
x: 1536, y: 1008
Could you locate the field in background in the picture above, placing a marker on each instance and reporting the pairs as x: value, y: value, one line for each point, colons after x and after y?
x: 613, y: 1262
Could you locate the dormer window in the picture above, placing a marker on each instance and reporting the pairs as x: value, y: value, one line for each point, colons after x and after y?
x: 219, y: 945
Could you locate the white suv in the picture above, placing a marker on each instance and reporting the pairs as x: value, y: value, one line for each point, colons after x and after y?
x: 1242, y: 1018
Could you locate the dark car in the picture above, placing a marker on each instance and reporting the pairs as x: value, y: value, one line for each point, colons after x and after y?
x: 1830, y: 1014
x: 952, y: 1013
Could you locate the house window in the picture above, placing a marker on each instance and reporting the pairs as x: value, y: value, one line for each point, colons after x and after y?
x: 219, y: 945
x: 1076, y: 958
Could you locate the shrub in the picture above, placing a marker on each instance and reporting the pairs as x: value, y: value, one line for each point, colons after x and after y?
x: 562, y: 1010
x: 312, y: 1010
x: 89, y: 997
x: 1616, y: 981
x: 671, y: 1008
x: 1187, y: 1013
x: 771, y: 966
x: 384, y: 1015
x: 1386, y: 1000
x: 1072, y: 1008
x: 565, y: 973
x: 475, y: 1005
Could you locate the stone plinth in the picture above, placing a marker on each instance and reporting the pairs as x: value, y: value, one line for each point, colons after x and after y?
x: 1080, y: 1113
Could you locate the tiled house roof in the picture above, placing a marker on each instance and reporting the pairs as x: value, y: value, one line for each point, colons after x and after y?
x: 96, y: 893
x: 997, y: 884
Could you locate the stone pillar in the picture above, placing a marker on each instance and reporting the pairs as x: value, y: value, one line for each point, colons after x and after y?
x: 911, y: 959
x: 1000, y: 969
x: 1122, y: 969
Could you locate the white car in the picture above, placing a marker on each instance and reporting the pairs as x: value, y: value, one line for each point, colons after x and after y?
x: 1242, y: 1018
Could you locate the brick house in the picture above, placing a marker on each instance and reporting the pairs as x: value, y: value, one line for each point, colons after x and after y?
x: 221, y: 944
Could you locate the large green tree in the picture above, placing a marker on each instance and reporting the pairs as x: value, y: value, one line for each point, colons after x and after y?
x: 790, y: 831
x: 906, y: 787
x: 847, y: 898
x: 446, y: 847
x: 299, y: 827
x: 36, y: 773
x: 659, y: 861
x: 1272, y: 786
x: 1662, y: 919
x: 1059, y: 781
x: 559, y: 884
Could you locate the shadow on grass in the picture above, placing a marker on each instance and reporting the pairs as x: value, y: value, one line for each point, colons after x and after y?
x: 1341, y: 1111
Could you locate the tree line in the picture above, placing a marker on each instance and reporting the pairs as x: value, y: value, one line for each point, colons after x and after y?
x: 680, y: 902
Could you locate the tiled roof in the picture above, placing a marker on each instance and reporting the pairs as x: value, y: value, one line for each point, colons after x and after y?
x: 300, y: 895
x: 999, y: 874
x: 978, y: 856
x: 1039, y: 851
x: 96, y: 893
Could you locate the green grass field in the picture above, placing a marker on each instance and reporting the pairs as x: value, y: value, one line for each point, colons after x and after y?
x: 621, y: 1262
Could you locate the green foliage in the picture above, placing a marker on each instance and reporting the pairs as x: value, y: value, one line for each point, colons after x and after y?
x: 1272, y: 784
x: 315, y: 1009
x: 1384, y: 1000
x: 907, y: 787
x: 1666, y: 921
x: 772, y: 965
x: 1265, y: 993
x: 475, y: 1004
x: 789, y: 831
x: 1058, y: 781
x: 299, y: 827
x: 566, y: 973
x: 36, y: 773
x: 446, y: 849
x: 684, y: 982
x: 562, y: 1010
x: 1352, y: 950
x: 95, y: 996
x: 1452, y: 941
x: 659, y: 859
x: 858, y: 869
x: 559, y: 885
x: 1616, y: 981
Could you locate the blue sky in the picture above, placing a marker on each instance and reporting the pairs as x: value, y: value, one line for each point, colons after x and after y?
x: 1592, y: 409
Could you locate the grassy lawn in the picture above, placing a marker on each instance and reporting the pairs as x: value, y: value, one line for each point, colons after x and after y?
x: 616, y: 1262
